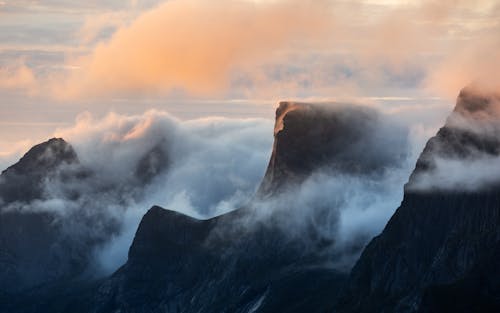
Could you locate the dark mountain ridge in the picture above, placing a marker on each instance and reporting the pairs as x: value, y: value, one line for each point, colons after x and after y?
x: 441, y: 241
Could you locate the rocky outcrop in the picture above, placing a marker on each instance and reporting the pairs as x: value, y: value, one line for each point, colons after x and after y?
x: 336, y: 137
x: 441, y: 242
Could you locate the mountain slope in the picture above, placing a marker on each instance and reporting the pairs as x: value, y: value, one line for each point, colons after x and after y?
x: 441, y: 241
x: 33, y: 249
x: 176, y: 265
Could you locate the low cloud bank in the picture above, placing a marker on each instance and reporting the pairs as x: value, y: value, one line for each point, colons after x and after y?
x: 202, y: 168
x: 210, y: 166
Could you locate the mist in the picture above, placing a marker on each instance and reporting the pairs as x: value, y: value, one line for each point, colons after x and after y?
x: 464, y: 155
x: 210, y: 166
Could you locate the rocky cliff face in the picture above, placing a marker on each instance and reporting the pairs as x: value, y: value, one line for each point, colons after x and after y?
x: 442, y: 240
x: 336, y: 137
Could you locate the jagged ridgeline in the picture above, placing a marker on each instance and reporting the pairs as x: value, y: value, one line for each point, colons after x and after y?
x: 280, y: 253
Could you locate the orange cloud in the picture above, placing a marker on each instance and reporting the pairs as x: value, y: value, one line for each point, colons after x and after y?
x: 201, y: 47
x: 192, y: 45
x: 476, y: 61
x: 18, y: 76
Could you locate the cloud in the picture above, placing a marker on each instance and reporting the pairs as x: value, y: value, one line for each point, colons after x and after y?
x: 204, y: 155
x: 256, y: 49
x: 202, y: 168
x: 464, y: 155
x: 237, y: 48
x: 192, y: 45
x: 212, y: 165
x: 475, y: 174
x: 17, y: 76
x: 474, y: 58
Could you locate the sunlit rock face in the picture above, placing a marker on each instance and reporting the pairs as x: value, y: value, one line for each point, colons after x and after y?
x: 437, y: 252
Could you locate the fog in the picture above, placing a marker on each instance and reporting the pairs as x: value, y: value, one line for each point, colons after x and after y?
x: 206, y: 167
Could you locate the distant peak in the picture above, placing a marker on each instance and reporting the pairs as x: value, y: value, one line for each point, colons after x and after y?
x: 469, y: 138
x: 56, y: 141
x: 46, y: 155
x: 155, y: 209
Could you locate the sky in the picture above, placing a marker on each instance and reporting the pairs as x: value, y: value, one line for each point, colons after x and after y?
x: 234, y: 58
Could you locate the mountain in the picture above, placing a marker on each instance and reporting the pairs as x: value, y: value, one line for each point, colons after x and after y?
x: 251, y: 260
x: 180, y: 264
x: 439, y: 251
x: 22, y: 181
x: 335, y: 137
x: 33, y: 247
x: 51, y: 218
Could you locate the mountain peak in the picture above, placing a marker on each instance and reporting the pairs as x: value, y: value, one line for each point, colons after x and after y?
x: 22, y: 181
x: 283, y: 109
x: 474, y: 100
x: 471, y: 133
x: 161, y: 227
x: 46, y: 155
x: 330, y: 136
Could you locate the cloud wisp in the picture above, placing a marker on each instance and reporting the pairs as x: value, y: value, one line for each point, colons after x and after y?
x: 201, y: 168
x: 464, y: 154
